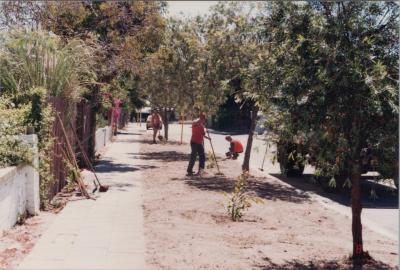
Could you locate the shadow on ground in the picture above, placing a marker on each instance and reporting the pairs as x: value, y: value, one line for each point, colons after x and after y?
x: 176, y: 143
x: 108, y: 166
x: 131, y: 141
x: 129, y: 133
x: 122, y: 186
x: 167, y: 156
x: 387, y: 198
x: 147, y: 141
x: 258, y: 186
x: 324, y: 265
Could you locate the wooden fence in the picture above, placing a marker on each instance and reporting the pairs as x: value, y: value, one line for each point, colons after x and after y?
x: 83, y: 120
x: 85, y: 129
x: 66, y: 111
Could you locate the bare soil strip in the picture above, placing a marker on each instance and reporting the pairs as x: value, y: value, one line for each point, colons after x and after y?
x: 187, y: 226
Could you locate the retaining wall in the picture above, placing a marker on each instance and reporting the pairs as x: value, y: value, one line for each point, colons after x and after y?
x: 19, y: 190
x: 103, y: 138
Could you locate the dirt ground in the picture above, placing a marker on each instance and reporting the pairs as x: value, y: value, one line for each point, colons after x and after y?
x: 187, y: 226
x: 17, y: 242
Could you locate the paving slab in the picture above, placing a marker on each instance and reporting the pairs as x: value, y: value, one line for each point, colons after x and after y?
x: 106, y: 233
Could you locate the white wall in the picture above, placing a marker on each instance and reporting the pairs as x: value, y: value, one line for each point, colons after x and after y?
x: 19, y: 190
x: 103, y: 138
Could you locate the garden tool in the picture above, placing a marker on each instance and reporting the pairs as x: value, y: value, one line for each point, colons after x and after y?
x: 69, y: 154
x: 215, y: 157
x: 265, y: 154
x: 103, y: 188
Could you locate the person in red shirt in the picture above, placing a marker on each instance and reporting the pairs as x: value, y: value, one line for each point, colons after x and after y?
x: 235, y: 148
x: 156, y: 123
x: 197, y: 144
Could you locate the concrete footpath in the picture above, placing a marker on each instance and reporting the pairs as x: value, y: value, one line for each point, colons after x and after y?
x: 106, y: 233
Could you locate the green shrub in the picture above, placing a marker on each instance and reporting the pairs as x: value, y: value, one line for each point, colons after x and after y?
x: 13, y: 150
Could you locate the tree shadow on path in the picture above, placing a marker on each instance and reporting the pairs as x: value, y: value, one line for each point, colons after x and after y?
x: 344, y: 264
x: 129, y: 133
x: 108, y: 166
x: 119, y: 140
x: 166, y: 156
x: 258, y: 186
x: 387, y: 198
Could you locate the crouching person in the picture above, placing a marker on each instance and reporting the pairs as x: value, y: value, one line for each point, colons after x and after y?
x: 235, y: 148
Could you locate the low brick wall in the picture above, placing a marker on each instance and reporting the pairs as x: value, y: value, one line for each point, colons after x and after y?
x: 19, y: 191
x: 103, y: 138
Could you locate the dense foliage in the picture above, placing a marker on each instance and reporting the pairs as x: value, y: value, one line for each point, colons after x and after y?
x: 13, y: 150
x: 72, y: 51
x: 337, y: 86
x: 34, y: 66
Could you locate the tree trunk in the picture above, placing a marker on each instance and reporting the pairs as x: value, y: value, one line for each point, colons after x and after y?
x: 246, y: 161
x: 356, y: 208
x: 164, y: 117
x: 182, y: 128
x: 93, y: 127
x: 356, y: 140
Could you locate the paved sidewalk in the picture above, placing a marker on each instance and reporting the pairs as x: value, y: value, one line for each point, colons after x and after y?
x: 102, y: 234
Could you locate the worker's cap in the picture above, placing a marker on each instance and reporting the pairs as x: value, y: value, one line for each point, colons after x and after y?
x: 228, y: 138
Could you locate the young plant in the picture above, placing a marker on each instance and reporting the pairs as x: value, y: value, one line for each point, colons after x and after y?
x: 238, y: 200
x: 211, y: 160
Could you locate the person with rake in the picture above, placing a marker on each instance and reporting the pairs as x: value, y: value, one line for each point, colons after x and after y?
x: 197, y: 145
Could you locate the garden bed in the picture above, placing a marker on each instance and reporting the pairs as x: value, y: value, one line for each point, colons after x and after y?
x: 187, y: 225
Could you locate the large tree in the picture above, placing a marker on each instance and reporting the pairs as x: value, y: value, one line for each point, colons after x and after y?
x: 179, y: 75
x: 232, y: 44
x: 338, y: 85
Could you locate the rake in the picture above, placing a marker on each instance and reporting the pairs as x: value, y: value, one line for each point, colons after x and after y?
x: 103, y: 188
x: 70, y: 155
x: 215, y: 157
x: 265, y: 153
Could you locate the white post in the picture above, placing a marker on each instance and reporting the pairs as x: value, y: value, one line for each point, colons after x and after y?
x: 32, y: 177
x: 105, y: 135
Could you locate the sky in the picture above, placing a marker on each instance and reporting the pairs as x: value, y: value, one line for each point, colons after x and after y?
x: 189, y: 8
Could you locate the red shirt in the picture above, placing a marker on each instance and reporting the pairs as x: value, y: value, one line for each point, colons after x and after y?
x: 155, y: 119
x: 197, y: 133
x: 237, y: 146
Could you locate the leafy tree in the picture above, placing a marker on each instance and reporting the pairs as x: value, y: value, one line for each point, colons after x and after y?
x: 25, y: 14
x: 158, y: 84
x: 179, y: 75
x: 338, y: 78
x: 235, y: 46
x: 122, y: 33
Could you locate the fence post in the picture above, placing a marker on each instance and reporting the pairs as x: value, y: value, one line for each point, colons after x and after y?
x: 32, y: 184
